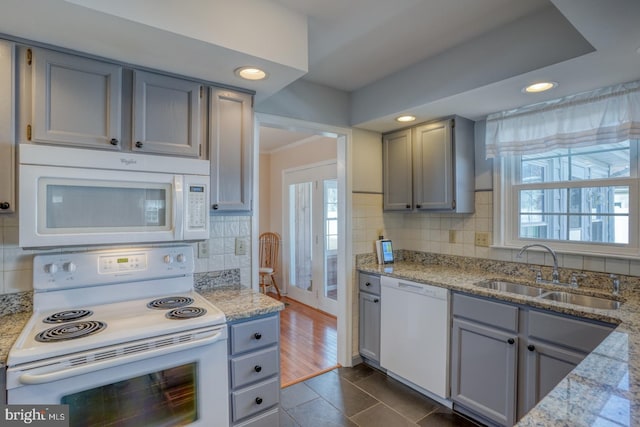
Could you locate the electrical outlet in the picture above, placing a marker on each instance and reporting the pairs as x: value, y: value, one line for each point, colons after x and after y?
x: 482, y: 239
x: 452, y: 236
x: 203, y: 249
x: 241, y: 247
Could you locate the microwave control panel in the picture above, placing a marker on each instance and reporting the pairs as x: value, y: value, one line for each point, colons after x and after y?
x: 197, y: 207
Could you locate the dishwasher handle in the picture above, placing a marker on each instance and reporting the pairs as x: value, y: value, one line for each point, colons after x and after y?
x: 416, y: 288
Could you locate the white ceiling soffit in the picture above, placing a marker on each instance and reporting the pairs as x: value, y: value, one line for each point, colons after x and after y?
x: 354, y: 43
x: 599, y: 41
x: 205, y: 39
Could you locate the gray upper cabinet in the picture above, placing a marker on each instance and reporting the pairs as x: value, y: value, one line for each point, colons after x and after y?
x: 396, y: 171
x: 75, y: 101
x: 166, y: 115
x: 230, y: 150
x: 430, y: 167
x: 7, y: 129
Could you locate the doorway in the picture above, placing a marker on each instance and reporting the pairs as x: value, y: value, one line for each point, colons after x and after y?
x: 344, y: 261
x: 310, y: 232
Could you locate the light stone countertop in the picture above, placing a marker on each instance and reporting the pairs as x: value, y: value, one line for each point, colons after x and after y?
x: 603, y: 390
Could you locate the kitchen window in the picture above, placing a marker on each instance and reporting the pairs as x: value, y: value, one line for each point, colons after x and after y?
x: 566, y: 172
x: 581, y: 200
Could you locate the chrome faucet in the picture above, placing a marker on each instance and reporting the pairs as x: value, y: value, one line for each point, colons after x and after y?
x: 555, y: 276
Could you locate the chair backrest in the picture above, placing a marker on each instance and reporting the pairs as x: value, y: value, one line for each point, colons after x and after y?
x: 269, y: 250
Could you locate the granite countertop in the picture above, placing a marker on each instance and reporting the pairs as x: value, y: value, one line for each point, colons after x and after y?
x: 603, y: 390
x: 236, y: 302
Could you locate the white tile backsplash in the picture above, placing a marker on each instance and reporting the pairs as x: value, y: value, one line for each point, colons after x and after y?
x: 429, y: 232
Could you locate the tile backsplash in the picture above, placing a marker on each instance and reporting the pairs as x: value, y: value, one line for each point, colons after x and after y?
x: 433, y: 233
x: 16, y: 263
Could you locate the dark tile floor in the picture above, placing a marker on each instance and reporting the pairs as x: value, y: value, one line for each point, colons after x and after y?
x: 361, y: 396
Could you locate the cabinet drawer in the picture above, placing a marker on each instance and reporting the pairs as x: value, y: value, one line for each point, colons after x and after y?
x: 254, y: 399
x: 492, y: 313
x: 573, y: 333
x: 370, y: 283
x: 254, y: 367
x: 270, y: 419
x: 254, y: 334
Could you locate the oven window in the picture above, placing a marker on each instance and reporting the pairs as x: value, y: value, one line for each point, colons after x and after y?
x: 163, y: 398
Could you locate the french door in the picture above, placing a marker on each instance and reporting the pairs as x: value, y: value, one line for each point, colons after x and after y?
x: 310, y: 229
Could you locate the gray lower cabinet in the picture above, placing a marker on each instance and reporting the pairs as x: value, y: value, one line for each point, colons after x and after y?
x: 369, y: 318
x: 505, y: 358
x: 484, y: 357
x: 166, y: 115
x: 254, y: 372
x: 7, y: 127
x: 230, y: 150
x: 75, y: 101
x: 3, y: 385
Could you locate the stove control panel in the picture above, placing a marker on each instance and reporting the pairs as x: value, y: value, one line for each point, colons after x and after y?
x: 108, y: 264
x: 79, y: 269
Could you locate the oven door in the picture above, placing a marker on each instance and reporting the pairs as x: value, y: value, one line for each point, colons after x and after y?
x: 73, y: 206
x: 185, y: 385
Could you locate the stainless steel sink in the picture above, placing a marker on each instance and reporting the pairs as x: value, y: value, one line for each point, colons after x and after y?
x: 582, y: 300
x: 514, y: 288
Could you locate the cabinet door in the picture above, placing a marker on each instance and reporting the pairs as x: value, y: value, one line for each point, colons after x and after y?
x: 433, y: 167
x: 166, y: 115
x: 396, y: 171
x: 369, y: 327
x: 230, y: 149
x: 7, y: 131
x: 75, y: 101
x: 484, y: 370
x: 546, y: 366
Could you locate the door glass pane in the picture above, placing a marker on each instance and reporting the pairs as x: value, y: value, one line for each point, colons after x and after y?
x: 162, y: 398
x: 96, y: 206
x: 301, y: 235
x: 331, y: 238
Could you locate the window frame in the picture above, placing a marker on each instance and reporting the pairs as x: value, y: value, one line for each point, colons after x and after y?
x: 506, y: 200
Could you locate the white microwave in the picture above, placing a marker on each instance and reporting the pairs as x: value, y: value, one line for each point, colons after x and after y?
x: 77, y: 197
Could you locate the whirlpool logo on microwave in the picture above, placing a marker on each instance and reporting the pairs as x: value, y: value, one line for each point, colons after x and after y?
x: 35, y: 415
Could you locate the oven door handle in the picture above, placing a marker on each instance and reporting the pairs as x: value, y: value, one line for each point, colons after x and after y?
x: 61, y: 374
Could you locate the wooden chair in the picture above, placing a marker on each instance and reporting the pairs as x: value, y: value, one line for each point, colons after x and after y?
x: 269, y: 252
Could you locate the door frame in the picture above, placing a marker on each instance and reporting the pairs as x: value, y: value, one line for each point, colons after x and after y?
x: 285, y: 247
x: 345, y: 252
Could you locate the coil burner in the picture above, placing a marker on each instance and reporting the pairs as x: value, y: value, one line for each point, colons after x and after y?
x: 186, y: 313
x: 68, y: 316
x: 71, y: 331
x: 169, y: 302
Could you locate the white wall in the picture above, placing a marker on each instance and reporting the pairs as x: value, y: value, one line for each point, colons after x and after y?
x: 366, y: 163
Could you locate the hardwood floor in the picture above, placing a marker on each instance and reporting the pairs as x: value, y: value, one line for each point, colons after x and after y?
x: 308, y: 342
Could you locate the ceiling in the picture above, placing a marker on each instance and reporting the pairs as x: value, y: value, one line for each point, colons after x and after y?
x: 430, y: 58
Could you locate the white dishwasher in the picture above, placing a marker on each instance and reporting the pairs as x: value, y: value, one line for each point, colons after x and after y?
x: 414, y: 334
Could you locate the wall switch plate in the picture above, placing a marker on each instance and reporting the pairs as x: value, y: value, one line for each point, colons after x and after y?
x: 203, y: 249
x: 482, y: 239
x: 241, y: 246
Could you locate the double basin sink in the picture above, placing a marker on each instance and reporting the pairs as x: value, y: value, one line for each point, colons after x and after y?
x: 551, y: 295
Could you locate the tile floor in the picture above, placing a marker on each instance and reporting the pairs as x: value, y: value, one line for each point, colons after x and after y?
x: 361, y: 396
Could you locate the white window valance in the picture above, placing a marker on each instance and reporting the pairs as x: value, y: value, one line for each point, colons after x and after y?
x: 602, y: 116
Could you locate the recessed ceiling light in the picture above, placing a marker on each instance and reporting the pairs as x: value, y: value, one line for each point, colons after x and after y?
x: 539, y: 87
x: 404, y: 119
x: 250, y: 73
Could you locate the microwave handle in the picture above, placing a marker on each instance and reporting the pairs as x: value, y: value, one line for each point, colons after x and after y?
x: 31, y: 379
x: 179, y: 206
